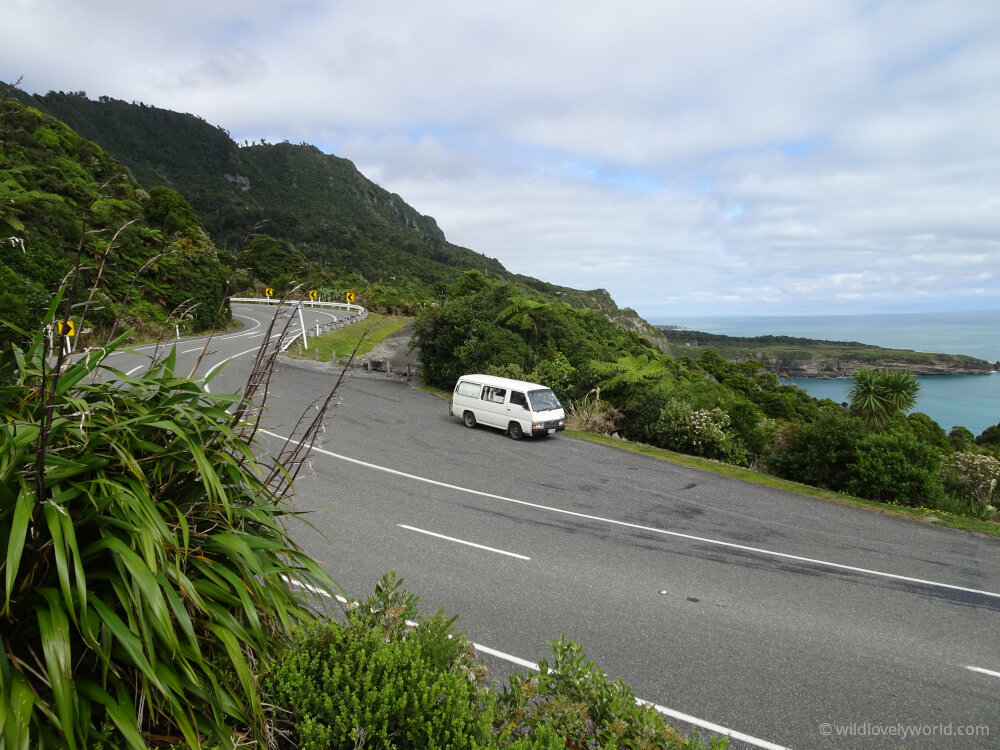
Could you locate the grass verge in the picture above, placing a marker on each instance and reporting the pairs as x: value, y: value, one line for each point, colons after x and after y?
x: 365, y: 335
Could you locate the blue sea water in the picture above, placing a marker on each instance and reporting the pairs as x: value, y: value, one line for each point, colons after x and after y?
x: 972, y: 401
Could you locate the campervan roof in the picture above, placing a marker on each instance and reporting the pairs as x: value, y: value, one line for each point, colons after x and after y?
x: 521, y: 385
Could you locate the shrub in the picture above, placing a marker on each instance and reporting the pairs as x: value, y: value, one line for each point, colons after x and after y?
x: 144, y: 560
x: 700, y: 432
x: 641, y: 412
x: 990, y: 436
x: 385, y: 677
x: 557, y: 373
x: 575, y: 701
x: 926, y: 430
x: 961, y: 439
x: 751, y: 428
x: 972, y: 478
x: 895, y: 468
x: 380, y: 681
x: 593, y: 415
x: 820, y: 453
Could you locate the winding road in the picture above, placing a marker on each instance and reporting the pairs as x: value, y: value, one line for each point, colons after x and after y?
x: 790, y: 621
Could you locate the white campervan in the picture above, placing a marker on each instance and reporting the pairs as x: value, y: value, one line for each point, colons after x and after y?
x: 518, y: 407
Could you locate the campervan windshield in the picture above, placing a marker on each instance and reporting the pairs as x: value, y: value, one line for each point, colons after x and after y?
x: 544, y: 400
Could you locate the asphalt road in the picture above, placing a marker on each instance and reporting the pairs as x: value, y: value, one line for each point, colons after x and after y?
x: 796, y: 622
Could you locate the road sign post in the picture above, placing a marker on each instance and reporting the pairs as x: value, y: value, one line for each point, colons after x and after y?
x: 302, y: 323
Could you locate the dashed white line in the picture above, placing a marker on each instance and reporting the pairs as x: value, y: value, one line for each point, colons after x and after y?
x: 462, y: 541
x: 652, y: 529
x: 223, y: 362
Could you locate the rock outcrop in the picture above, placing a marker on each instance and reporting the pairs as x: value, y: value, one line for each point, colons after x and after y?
x: 819, y: 367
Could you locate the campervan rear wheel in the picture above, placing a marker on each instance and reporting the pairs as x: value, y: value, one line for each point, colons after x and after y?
x: 470, y: 419
x: 516, y: 433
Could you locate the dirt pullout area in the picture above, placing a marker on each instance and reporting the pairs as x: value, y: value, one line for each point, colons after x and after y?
x: 390, y: 355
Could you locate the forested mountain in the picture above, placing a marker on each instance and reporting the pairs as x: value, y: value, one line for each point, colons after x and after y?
x: 318, y: 207
x: 65, y: 203
x: 321, y: 204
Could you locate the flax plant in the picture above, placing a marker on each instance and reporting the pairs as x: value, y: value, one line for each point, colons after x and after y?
x: 144, y: 566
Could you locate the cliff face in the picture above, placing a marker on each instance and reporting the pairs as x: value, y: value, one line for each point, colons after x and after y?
x: 795, y: 357
x: 818, y: 367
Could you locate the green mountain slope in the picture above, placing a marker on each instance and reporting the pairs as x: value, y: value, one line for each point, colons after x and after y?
x: 64, y: 202
x: 321, y: 206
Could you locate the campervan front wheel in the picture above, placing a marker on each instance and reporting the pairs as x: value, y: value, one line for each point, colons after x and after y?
x: 516, y: 433
x: 470, y: 419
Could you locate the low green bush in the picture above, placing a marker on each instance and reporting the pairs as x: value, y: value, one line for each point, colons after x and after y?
x: 699, y: 432
x: 377, y: 681
x: 896, y: 468
x: 384, y: 677
x: 819, y: 453
x: 577, y: 702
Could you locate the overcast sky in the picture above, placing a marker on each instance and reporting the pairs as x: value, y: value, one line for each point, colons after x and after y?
x: 692, y: 157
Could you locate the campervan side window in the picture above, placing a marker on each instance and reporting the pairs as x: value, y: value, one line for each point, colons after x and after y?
x: 518, y: 399
x: 496, y: 395
x: 465, y: 388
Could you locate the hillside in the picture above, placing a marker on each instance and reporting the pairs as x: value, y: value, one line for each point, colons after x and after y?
x: 810, y: 358
x: 319, y: 204
x: 64, y: 201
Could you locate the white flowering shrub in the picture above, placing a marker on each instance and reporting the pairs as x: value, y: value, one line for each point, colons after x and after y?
x: 700, y: 432
x: 973, y: 478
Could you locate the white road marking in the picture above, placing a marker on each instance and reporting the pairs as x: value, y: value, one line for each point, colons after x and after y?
x: 461, y: 541
x: 220, y: 364
x: 651, y: 529
x: 679, y: 715
x: 990, y: 672
x: 717, y: 728
x: 234, y: 335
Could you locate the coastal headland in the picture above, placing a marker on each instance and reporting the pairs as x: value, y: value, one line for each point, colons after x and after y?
x: 794, y: 357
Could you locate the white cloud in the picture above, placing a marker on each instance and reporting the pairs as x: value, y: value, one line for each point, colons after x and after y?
x: 692, y: 158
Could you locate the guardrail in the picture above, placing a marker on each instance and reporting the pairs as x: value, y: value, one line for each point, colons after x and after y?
x: 318, y: 328
x: 296, y: 302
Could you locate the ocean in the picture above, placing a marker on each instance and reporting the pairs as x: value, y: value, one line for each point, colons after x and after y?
x: 972, y: 401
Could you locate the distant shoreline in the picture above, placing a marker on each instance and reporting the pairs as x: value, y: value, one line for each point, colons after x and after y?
x: 799, y: 357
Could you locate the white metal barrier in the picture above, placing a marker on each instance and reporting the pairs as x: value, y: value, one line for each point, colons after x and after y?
x: 296, y: 302
x: 357, y: 312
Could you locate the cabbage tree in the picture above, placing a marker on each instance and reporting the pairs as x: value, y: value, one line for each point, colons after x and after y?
x: 878, y: 396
